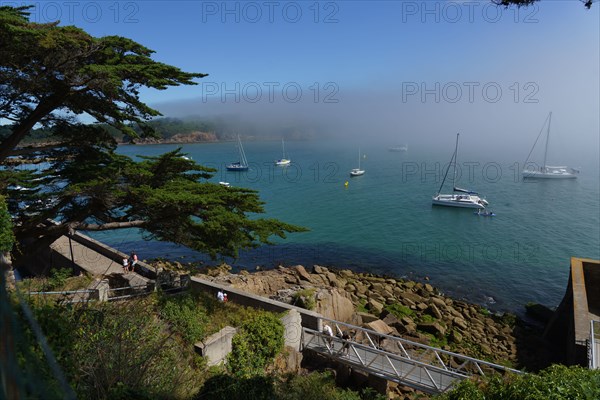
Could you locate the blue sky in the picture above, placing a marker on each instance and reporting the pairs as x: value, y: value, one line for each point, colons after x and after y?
x: 430, y: 67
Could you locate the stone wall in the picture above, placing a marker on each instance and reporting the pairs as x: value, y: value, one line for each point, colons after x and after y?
x: 309, y: 319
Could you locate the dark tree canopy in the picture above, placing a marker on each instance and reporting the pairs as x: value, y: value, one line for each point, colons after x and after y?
x: 49, y: 76
x: 525, y: 3
x: 49, y: 73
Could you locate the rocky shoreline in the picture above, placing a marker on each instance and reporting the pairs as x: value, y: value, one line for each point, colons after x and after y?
x: 413, y: 310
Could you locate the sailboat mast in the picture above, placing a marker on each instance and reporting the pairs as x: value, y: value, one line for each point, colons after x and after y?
x: 283, y: 148
x: 455, y: 160
x: 452, y: 160
x: 547, y: 140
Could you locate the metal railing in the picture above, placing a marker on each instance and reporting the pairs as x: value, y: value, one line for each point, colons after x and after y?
x: 594, y: 345
x: 413, y: 364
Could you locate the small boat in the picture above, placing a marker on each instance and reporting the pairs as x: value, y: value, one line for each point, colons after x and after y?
x: 357, y: 171
x: 226, y: 184
x: 485, y: 213
x: 547, y: 171
x: 241, y: 165
x: 283, y: 161
x: 466, y: 198
x: 399, y: 148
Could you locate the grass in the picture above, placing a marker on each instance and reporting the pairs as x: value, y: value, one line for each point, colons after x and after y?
x: 399, y: 311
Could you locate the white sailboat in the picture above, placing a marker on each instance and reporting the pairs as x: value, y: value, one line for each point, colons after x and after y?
x: 399, y: 148
x: 283, y: 161
x: 547, y: 171
x: 357, y: 171
x: 466, y: 198
x: 241, y: 165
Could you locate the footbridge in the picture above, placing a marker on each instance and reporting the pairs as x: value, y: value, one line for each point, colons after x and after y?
x: 409, y: 363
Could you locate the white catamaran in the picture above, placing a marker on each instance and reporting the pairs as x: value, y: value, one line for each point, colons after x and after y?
x: 283, y: 161
x: 241, y: 165
x: 466, y: 198
x: 547, y: 171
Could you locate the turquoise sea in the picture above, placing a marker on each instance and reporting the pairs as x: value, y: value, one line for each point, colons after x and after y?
x: 384, y: 222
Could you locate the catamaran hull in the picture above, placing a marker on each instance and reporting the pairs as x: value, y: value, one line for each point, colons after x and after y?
x: 460, y: 201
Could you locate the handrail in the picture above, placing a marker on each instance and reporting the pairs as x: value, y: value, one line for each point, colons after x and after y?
x: 423, y: 346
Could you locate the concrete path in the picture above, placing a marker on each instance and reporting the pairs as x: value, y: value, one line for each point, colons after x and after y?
x: 85, y: 258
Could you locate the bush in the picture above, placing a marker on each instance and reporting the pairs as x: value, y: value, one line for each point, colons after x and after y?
x: 255, y: 345
x: 118, y: 350
x: 557, y: 382
x: 185, y: 315
x: 305, y: 299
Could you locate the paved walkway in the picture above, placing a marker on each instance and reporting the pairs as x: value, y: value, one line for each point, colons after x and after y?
x: 87, y: 259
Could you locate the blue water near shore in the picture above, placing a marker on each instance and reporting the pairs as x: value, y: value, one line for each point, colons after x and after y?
x: 383, y: 221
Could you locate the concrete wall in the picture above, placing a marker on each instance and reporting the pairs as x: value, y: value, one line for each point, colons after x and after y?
x: 310, y: 319
x: 141, y: 268
x: 216, y: 347
x: 570, y: 326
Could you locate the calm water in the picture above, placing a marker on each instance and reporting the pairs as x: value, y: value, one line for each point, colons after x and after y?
x: 383, y: 221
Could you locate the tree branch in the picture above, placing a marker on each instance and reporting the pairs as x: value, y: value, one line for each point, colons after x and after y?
x: 110, y: 225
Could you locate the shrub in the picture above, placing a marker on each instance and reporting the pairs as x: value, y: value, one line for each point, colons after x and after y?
x: 185, y: 315
x: 305, y: 298
x: 554, y: 383
x: 255, y: 345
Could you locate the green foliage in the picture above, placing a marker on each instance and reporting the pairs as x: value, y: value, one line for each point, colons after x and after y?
x: 118, y: 350
x: 169, y: 127
x: 320, y: 386
x: 6, y: 233
x: 362, y: 306
x: 227, y: 387
x: 304, y: 298
x: 398, y: 310
x: 557, y: 382
x: 185, y: 316
x: 58, y: 278
x: 314, y: 386
x: 426, y: 318
x: 255, y: 345
x: 47, y: 68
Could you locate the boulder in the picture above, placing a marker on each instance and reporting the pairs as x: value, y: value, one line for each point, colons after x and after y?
x: 379, y: 326
x: 302, y: 274
x: 456, y: 336
x: 434, y: 311
x: 366, y: 317
x: 432, y: 327
x: 317, y: 269
x: 461, y: 323
x: 440, y: 303
x: 333, y: 305
x: 375, y: 306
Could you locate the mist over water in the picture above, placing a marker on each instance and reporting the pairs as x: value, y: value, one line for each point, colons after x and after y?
x: 383, y: 221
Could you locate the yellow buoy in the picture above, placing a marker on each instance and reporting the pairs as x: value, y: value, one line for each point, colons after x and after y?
x: 346, y: 184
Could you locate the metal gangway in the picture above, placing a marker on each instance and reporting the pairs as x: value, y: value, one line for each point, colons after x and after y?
x: 409, y: 363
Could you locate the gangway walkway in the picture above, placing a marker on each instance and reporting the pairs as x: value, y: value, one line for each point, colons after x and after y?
x: 422, y: 367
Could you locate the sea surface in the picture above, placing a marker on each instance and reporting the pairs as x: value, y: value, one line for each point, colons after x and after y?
x: 383, y: 221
